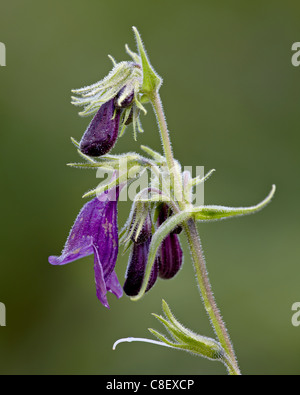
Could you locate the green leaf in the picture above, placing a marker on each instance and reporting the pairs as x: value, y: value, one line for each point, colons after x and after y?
x: 120, y: 179
x: 188, y: 340
x: 151, y: 81
x: 211, y: 213
x: 162, y: 337
x: 155, y: 155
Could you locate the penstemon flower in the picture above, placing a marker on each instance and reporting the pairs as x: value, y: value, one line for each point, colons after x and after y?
x: 102, y: 133
x: 170, y: 252
x: 160, y: 211
x: 138, y: 260
x: 122, y: 87
x: 95, y: 231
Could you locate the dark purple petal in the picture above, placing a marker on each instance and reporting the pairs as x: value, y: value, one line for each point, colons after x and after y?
x: 170, y: 254
x: 177, y: 230
x: 170, y: 257
x: 102, y: 132
x: 136, y: 269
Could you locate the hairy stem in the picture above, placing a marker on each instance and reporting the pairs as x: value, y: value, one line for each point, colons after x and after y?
x: 195, y: 246
x: 164, y: 134
x: 206, y: 292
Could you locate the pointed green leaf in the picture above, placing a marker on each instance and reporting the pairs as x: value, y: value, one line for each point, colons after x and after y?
x: 155, y: 155
x: 102, y: 188
x: 135, y: 56
x: 198, y: 180
x: 171, y: 317
x: 161, y: 337
x: 210, y: 213
x: 151, y: 81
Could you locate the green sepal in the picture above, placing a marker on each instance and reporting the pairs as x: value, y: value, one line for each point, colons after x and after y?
x: 151, y: 81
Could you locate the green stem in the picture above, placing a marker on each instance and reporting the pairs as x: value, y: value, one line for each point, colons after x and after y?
x: 164, y: 134
x: 166, y: 142
x: 195, y: 246
x: 206, y: 292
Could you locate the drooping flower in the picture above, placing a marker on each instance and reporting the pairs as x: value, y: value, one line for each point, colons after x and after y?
x: 170, y: 252
x: 102, y: 132
x: 122, y: 86
x: 138, y: 260
x: 168, y: 260
x: 95, y: 231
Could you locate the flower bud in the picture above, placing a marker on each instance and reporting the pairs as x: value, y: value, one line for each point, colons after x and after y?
x: 170, y: 253
x: 136, y: 269
x: 102, y: 133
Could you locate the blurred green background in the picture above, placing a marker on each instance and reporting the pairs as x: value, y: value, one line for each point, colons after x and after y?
x: 232, y: 100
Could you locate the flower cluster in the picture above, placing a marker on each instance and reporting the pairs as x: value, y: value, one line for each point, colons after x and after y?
x: 167, y: 262
x: 158, y: 213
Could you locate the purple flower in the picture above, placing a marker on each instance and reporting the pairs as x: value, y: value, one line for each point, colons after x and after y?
x: 138, y: 260
x: 168, y: 260
x: 102, y: 132
x: 136, y: 269
x: 95, y: 231
x: 170, y: 253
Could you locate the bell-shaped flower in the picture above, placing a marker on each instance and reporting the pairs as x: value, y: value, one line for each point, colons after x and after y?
x: 123, y: 86
x: 170, y: 252
x: 138, y: 261
x: 95, y: 231
x: 102, y: 132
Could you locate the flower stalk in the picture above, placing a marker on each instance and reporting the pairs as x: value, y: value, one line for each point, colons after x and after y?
x: 160, y: 210
x: 195, y: 247
x: 207, y: 294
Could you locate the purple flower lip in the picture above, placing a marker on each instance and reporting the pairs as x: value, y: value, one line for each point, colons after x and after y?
x: 95, y: 231
x: 102, y: 132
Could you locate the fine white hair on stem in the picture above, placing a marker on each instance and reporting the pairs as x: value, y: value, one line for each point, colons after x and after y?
x: 139, y: 339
